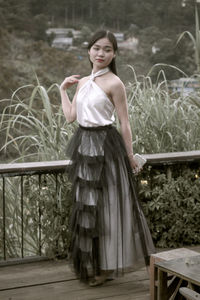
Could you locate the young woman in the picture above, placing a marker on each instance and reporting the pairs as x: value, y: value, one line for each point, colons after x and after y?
x: 109, y: 232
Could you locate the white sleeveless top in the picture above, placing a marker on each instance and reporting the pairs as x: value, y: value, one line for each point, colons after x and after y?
x: 93, y: 105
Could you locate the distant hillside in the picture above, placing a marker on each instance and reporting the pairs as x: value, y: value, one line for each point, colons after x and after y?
x: 25, y: 49
x: 22, y: 58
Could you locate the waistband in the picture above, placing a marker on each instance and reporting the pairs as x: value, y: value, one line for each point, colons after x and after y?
x: 106, y: 127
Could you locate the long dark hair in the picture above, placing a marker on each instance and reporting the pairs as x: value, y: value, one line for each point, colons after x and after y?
x: 100, y: 35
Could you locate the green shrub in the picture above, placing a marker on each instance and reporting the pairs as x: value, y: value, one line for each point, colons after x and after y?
x: 46, y: 211
x: 171, y: 201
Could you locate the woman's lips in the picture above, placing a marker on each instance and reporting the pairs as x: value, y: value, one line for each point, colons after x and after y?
x: 100, y: 60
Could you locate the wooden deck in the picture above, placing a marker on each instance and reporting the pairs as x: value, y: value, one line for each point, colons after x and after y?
x: 53, y: 280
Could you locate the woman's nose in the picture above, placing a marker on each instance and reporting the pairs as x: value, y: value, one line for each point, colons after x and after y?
x: 101, y: 53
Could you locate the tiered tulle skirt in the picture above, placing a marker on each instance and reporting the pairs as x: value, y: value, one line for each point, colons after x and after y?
x: 109, y: 231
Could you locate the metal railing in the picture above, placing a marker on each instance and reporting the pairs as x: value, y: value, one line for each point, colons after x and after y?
x: 42, y: 172
x: 15, y: 176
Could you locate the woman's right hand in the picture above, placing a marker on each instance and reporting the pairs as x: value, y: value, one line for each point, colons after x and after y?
x: 69, y: 81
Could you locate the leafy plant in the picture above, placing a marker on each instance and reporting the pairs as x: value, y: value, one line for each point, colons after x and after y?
x: 43, y: 214
x: 172, y: 205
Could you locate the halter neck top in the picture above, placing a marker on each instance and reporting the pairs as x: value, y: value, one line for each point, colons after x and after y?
x: 93, y: 106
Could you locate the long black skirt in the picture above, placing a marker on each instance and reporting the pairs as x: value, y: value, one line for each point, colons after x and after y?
x: 108, y: 229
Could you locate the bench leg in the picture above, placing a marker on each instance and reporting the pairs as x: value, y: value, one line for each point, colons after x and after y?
x: 162, y: 285
x: 153, y: 278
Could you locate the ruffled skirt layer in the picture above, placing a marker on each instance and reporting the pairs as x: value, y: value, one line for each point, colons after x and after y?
x: 109, y: 230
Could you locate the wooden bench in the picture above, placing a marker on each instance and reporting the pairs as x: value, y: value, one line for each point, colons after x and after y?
x: 165, y: 256
x: 189, y: 294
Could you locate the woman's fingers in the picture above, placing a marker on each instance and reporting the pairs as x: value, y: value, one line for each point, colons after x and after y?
x: 72, y: 79
x: 68, y: 81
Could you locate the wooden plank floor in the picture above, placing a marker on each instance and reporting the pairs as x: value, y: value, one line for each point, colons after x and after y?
x: 54, y: 280
x: 51, y: 280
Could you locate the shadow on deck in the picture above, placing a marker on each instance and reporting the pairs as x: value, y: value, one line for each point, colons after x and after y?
x: 54, y: 280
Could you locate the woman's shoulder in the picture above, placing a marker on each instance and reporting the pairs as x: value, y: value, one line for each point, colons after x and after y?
x: 116, y: 82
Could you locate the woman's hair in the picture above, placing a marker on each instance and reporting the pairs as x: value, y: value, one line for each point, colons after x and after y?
x: 105, y: 34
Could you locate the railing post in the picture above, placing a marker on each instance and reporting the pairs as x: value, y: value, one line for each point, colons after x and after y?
x: 22, y: 216
x: 169, y: 173
x: 4, y: 220
x: 56, y: 196
x: 39, y: 216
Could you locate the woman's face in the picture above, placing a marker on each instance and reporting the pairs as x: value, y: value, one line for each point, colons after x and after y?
x: 101, y: 53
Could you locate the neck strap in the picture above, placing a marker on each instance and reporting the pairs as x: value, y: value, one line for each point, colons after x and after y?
x: 99, y: 73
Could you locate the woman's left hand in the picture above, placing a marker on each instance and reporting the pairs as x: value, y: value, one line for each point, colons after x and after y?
x: 134, y: 165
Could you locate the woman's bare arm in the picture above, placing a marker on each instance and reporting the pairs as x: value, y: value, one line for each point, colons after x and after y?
x: 69, y: 108
x: 120, y: 102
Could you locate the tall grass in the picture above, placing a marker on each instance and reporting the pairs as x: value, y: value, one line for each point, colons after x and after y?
x: 160, y: 121
x: 34, y: 128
